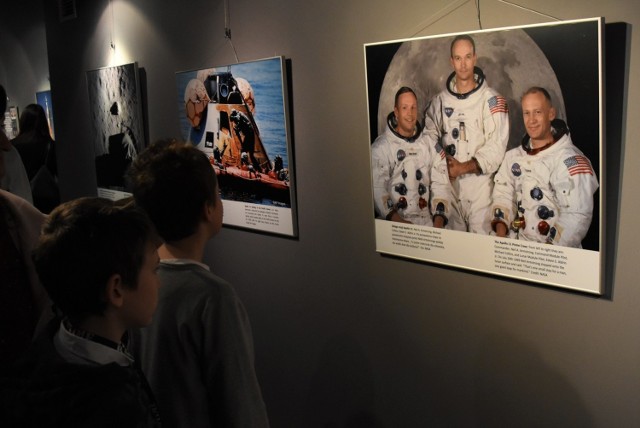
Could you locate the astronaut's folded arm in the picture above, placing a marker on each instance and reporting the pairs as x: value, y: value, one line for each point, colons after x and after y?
x: 495, y: 222
x: 491, y: 154
x: 573, y: 228
x: 477, y: 167
x: 439, y: 210
x: 381, y: 206
x: 489, y: 158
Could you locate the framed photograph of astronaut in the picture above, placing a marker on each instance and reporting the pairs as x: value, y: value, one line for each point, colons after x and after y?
x: 491, y: 160
x: 238, y: 116
x: 117, y: 125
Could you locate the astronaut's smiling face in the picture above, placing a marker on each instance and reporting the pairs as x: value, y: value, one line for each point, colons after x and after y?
x: 463, y: 60
x: 538, y: 113
x: 406, y: 112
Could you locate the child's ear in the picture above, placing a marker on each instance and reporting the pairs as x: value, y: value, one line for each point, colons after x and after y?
x: 114, y: 295
x: 209, y: 211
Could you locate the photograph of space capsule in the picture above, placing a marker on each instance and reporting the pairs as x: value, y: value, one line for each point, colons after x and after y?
x: 235, y: 115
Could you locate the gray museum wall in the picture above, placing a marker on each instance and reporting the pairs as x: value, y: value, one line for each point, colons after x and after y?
x: 345, y: 337
x: 23, y: 52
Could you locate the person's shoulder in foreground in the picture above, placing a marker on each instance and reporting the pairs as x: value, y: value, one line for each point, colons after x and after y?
x: 98, y: 263
x: 198, y: 352
x: 23, y: 302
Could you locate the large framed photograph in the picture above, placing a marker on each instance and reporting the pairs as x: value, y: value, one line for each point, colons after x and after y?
x: 117, y: 125
x: 492, y: 159
x: 237, y: 115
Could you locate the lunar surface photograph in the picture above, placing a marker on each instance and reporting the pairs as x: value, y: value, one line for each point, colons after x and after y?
x: 116, y: 122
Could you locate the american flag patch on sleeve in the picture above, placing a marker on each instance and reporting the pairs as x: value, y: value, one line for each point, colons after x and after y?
x: 578, y: 165
x: 498, y: 104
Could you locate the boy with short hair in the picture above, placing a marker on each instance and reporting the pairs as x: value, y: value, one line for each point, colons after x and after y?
x: 98, y: 263
x: 198, y: 352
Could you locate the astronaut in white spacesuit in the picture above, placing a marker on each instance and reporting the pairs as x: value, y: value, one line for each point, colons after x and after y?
x: 467, y: 125
x: 544, y: 189
x: 400, y: 163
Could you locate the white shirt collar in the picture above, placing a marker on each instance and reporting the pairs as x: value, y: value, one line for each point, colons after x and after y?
x: 78, y: 350
x: 182, y: 262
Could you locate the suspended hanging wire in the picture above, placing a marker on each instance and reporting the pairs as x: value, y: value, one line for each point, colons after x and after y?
x: 437, y: 16
x: 113, y: 25
x: 227, y: 28
x: 454, y: 5
x: 529, y: 9
x: 478, y: 9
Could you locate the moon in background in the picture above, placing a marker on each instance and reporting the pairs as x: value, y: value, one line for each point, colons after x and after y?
x: 511, y: 61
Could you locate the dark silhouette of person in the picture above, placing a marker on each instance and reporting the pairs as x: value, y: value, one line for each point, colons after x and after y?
x: 34, y: 139
x: 243, y: 127
x: 111, y: 166
x: 36, y: 148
